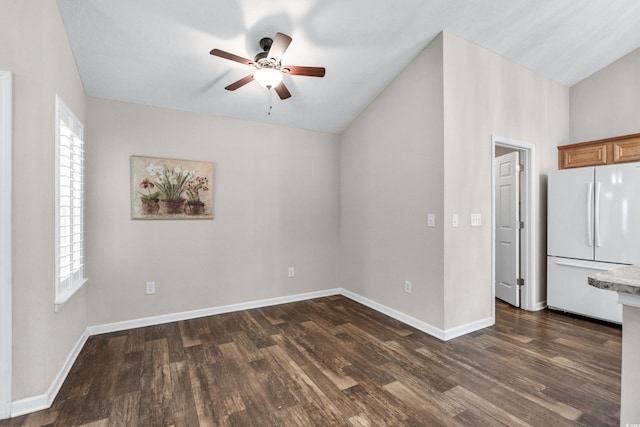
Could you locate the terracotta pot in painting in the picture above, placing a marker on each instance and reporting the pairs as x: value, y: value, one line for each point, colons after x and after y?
x: 172, y: 206
x: 150, y: 207
x: 193, y: 209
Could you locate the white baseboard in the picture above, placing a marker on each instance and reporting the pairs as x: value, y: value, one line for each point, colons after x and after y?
x: 441, y: 334
x: 458, y: 331
x: 44, y: 401
x: 29, y: 405
x: 193, y: 314
x: 540, y: 305
x: 398, y: 315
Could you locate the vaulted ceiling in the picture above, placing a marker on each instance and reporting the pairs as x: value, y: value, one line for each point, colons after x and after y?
x: 156, y: 52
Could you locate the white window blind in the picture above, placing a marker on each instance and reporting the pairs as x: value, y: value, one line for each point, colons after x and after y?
x: 70, y: 204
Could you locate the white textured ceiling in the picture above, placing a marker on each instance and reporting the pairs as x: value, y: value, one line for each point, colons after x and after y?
x: 156, y: 52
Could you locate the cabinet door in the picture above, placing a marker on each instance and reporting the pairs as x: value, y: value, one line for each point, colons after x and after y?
x: 626, y: 150
x: 570, y: 213
x: 584, y: 155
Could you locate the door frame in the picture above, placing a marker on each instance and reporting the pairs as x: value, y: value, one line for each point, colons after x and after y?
x: 6, y: 125
x: 515, y: 159
x: 528, y: 195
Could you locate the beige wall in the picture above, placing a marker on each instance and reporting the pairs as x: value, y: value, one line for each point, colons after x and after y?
x: 424, y: 145
x: 607, y: 103
x: 488, y: 95
x: 40, y: 58
x: 391, y: 177
x: 276, y: 206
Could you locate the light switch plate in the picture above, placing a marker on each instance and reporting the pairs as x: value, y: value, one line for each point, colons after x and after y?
x: 455, y: 221
x: 150, y: 288
x: 431, y: 220
x: 476, y: 220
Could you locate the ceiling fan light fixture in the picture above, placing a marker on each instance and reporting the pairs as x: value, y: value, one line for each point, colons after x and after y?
x: 268, y: 69
x: 268, y: 77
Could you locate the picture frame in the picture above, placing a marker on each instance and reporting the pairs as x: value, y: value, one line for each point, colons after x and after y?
x: 163, y: 188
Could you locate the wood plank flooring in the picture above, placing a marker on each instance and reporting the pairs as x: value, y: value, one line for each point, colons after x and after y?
x: 334, y: 362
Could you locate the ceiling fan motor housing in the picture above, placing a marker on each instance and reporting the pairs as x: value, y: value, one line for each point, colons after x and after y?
x: 265, y: 43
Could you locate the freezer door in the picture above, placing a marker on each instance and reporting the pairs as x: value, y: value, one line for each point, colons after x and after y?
x: 617, y: 213
x: 568, y: 289
x: 570, y: 213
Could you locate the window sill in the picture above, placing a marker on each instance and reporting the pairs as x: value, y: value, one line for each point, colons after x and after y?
x: 64, y: 297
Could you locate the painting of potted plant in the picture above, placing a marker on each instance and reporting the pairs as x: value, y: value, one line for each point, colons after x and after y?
x: 150, y: 200
x: 195, y: 185
x: 171, y: 188
x: 171, y: 184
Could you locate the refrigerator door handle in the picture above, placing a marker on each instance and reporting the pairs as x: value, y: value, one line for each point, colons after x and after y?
x: 579, y: 265
x: 597, y: 215
x: 589, y: 214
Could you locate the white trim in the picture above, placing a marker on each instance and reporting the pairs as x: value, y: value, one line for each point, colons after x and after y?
x: 441, y: 334
x: 29, y: 405
x: 193, y: 314
x: 398, y: 315
x: 461, y: 330
x: 44, y: 401
x: 6, y: 126
x: 540, y: 306
x: 629, y: 299
x: 529, y: 270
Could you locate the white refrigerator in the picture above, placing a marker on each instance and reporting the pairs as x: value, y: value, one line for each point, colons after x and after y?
x: 593, y: 225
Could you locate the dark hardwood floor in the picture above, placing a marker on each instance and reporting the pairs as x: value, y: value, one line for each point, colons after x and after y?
x: 332, y: 361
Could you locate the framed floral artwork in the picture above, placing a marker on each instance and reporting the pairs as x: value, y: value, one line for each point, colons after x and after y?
x: 171, y: 188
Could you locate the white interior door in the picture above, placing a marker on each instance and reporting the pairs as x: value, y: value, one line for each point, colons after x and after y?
x: 507, y: 217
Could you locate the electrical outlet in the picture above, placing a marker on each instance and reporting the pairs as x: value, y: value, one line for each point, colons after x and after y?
x: 291, y: 272
x: 407, y: 286
x: 151, y: 288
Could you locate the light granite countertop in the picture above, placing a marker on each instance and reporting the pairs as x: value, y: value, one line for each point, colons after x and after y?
x: 624, y: 280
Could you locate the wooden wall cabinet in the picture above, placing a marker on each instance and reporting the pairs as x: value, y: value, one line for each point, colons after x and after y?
x: 621, y: 149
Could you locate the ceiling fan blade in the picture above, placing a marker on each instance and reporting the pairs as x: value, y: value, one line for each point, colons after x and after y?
x: 243, y: 81
x: 296, y: 70
x: 279, y: 46
x: 231, y: 56
x: 282, y: 91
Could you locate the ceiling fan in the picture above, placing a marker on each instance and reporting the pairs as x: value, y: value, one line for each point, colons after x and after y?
x: 269, y: 70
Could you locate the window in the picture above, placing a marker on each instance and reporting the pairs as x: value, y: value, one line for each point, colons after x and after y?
x: 69, y: 204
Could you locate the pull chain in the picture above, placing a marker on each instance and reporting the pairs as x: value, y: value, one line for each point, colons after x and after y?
x: 269, y: 98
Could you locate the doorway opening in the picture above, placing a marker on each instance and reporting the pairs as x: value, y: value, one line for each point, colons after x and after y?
x: 522, y: 227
